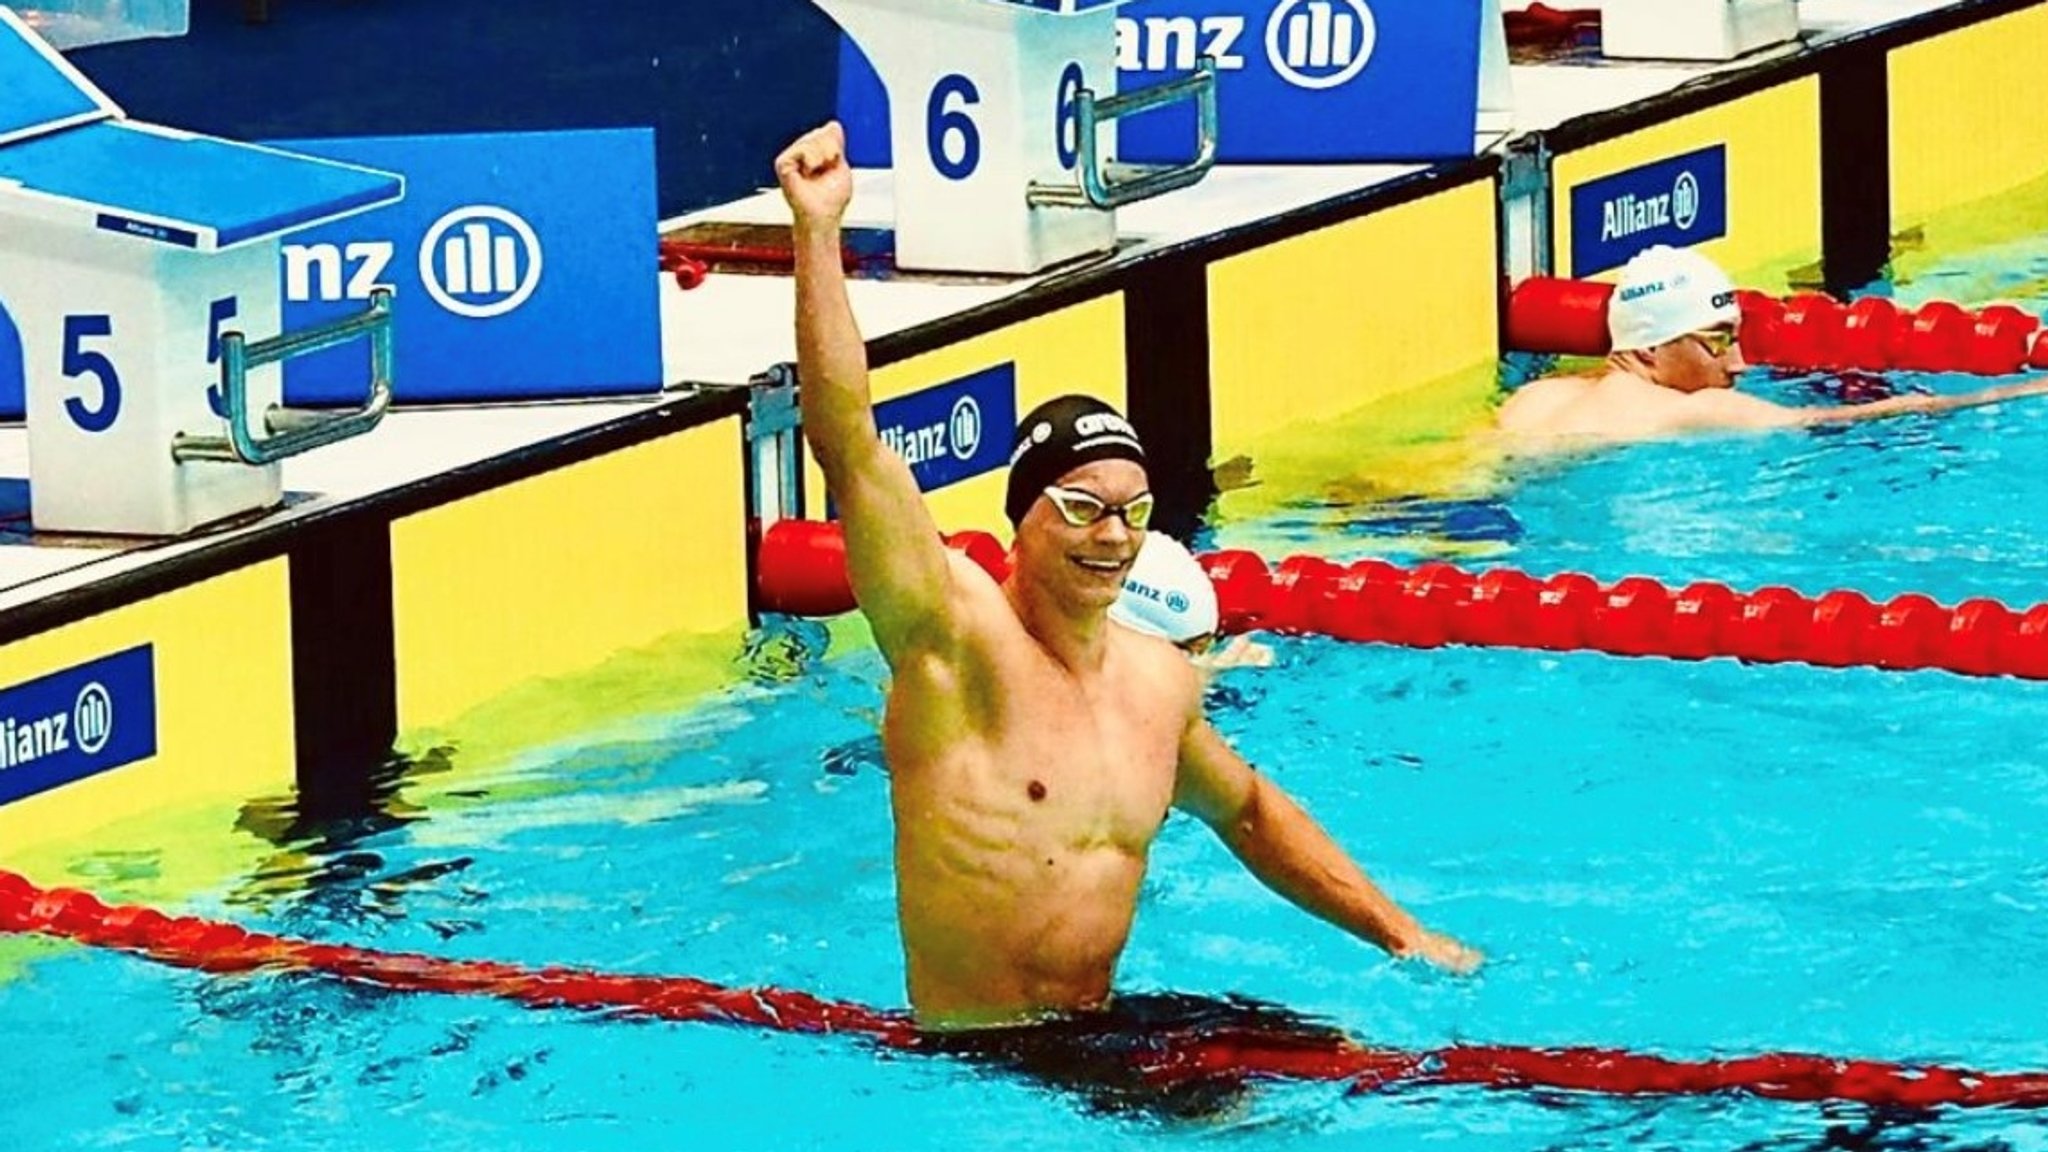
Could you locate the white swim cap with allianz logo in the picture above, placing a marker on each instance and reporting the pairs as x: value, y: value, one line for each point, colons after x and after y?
x: 1666, y: 292
x: 1166, y: 593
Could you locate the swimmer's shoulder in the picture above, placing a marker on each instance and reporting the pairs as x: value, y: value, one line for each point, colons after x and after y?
x: 1535, y: 407
x: 977, y: 595
x: 1155, y: 662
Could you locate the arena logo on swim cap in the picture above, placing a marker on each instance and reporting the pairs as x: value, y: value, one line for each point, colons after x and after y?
x: 942, y: 431
x: 1100, y: 425
x: 1679, y: 201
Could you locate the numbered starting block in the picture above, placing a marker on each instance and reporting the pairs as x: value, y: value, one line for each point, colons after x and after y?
x: 998, y: 115
x: 132, y: 260
x: 1694, y: 29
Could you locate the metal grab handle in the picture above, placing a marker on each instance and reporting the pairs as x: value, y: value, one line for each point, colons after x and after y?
x: 291, y: 431
x: 1115, y: 185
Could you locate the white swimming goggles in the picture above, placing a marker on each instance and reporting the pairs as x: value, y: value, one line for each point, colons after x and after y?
x: 1082, y: 509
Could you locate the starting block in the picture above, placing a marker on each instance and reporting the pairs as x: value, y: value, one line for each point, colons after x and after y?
x: 132, y: 260
x: 1694, y: 29
x: 998, y: 111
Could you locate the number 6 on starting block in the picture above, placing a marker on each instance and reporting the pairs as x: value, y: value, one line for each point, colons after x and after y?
x: 995, y: 116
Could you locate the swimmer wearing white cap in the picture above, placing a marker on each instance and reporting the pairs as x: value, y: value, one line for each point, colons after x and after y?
x: 1168, y: 595
x: 1672, y: 324
x: 1034, y: 747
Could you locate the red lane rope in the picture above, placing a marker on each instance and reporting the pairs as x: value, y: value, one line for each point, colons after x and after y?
x: 212, y: 946
x: 1806, y: 330
x: 1437, y: 604
x: 802, y: 570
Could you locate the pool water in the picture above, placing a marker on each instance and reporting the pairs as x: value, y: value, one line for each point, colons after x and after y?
x: 1688, y: 859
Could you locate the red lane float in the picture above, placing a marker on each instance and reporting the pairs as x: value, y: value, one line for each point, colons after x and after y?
x: 690, y: 261
x: 800, y: 566
x: 1436, y: 604
x: 212, y: 946
x: 1807, y: 330
x: 802, y: 571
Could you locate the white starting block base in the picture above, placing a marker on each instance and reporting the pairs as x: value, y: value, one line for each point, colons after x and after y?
x: 1694, y: 29
x: 149, y: 340
x: 127, y: 252
x: 980, y: 99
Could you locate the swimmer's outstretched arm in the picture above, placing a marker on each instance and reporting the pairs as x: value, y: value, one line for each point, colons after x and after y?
x: 1290, y: 853
x: 898, y: 567
x: 1726, y: 408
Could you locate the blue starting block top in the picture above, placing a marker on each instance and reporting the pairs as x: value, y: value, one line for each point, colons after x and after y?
x: 40, y: 91
x: 67, y: 157
x: 192, y: 191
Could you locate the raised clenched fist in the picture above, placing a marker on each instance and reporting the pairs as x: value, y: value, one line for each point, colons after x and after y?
x: 814, y: 175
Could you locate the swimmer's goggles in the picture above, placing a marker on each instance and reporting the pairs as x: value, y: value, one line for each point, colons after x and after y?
x: 1083, y: 509
x: 1717, y: 341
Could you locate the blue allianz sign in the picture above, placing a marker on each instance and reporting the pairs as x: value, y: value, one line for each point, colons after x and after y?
x: 76, y: 723
x: 953, y: 431
x: 1679, y: 201
x: 512, y: 280
x: 1297, y: 80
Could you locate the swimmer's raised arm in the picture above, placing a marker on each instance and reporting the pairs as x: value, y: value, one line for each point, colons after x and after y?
x: 1290, y: 853
x: 899, y: 569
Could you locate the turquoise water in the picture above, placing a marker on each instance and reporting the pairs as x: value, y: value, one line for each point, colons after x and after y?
x: 1687, y: 859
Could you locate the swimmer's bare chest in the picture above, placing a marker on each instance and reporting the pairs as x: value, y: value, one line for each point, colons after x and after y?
x: 1052, y: 764
x: 1023, y: 819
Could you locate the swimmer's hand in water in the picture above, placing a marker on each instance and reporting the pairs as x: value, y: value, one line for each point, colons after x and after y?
x: 1239, y: 652
x: 1445, y: 953
x: 815, y: 177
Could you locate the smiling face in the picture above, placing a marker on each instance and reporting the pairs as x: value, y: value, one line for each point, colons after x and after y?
x: 1081, y: 568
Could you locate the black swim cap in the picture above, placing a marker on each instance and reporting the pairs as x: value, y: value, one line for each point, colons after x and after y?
x: 1059, y: 436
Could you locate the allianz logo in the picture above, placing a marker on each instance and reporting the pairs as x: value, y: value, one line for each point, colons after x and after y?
x: 86, y: 727
x: 1176, y: 602
x: 1627, y: 214
x: 476, y: 261
x: 958, y: 435
x: 1312, y: 44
